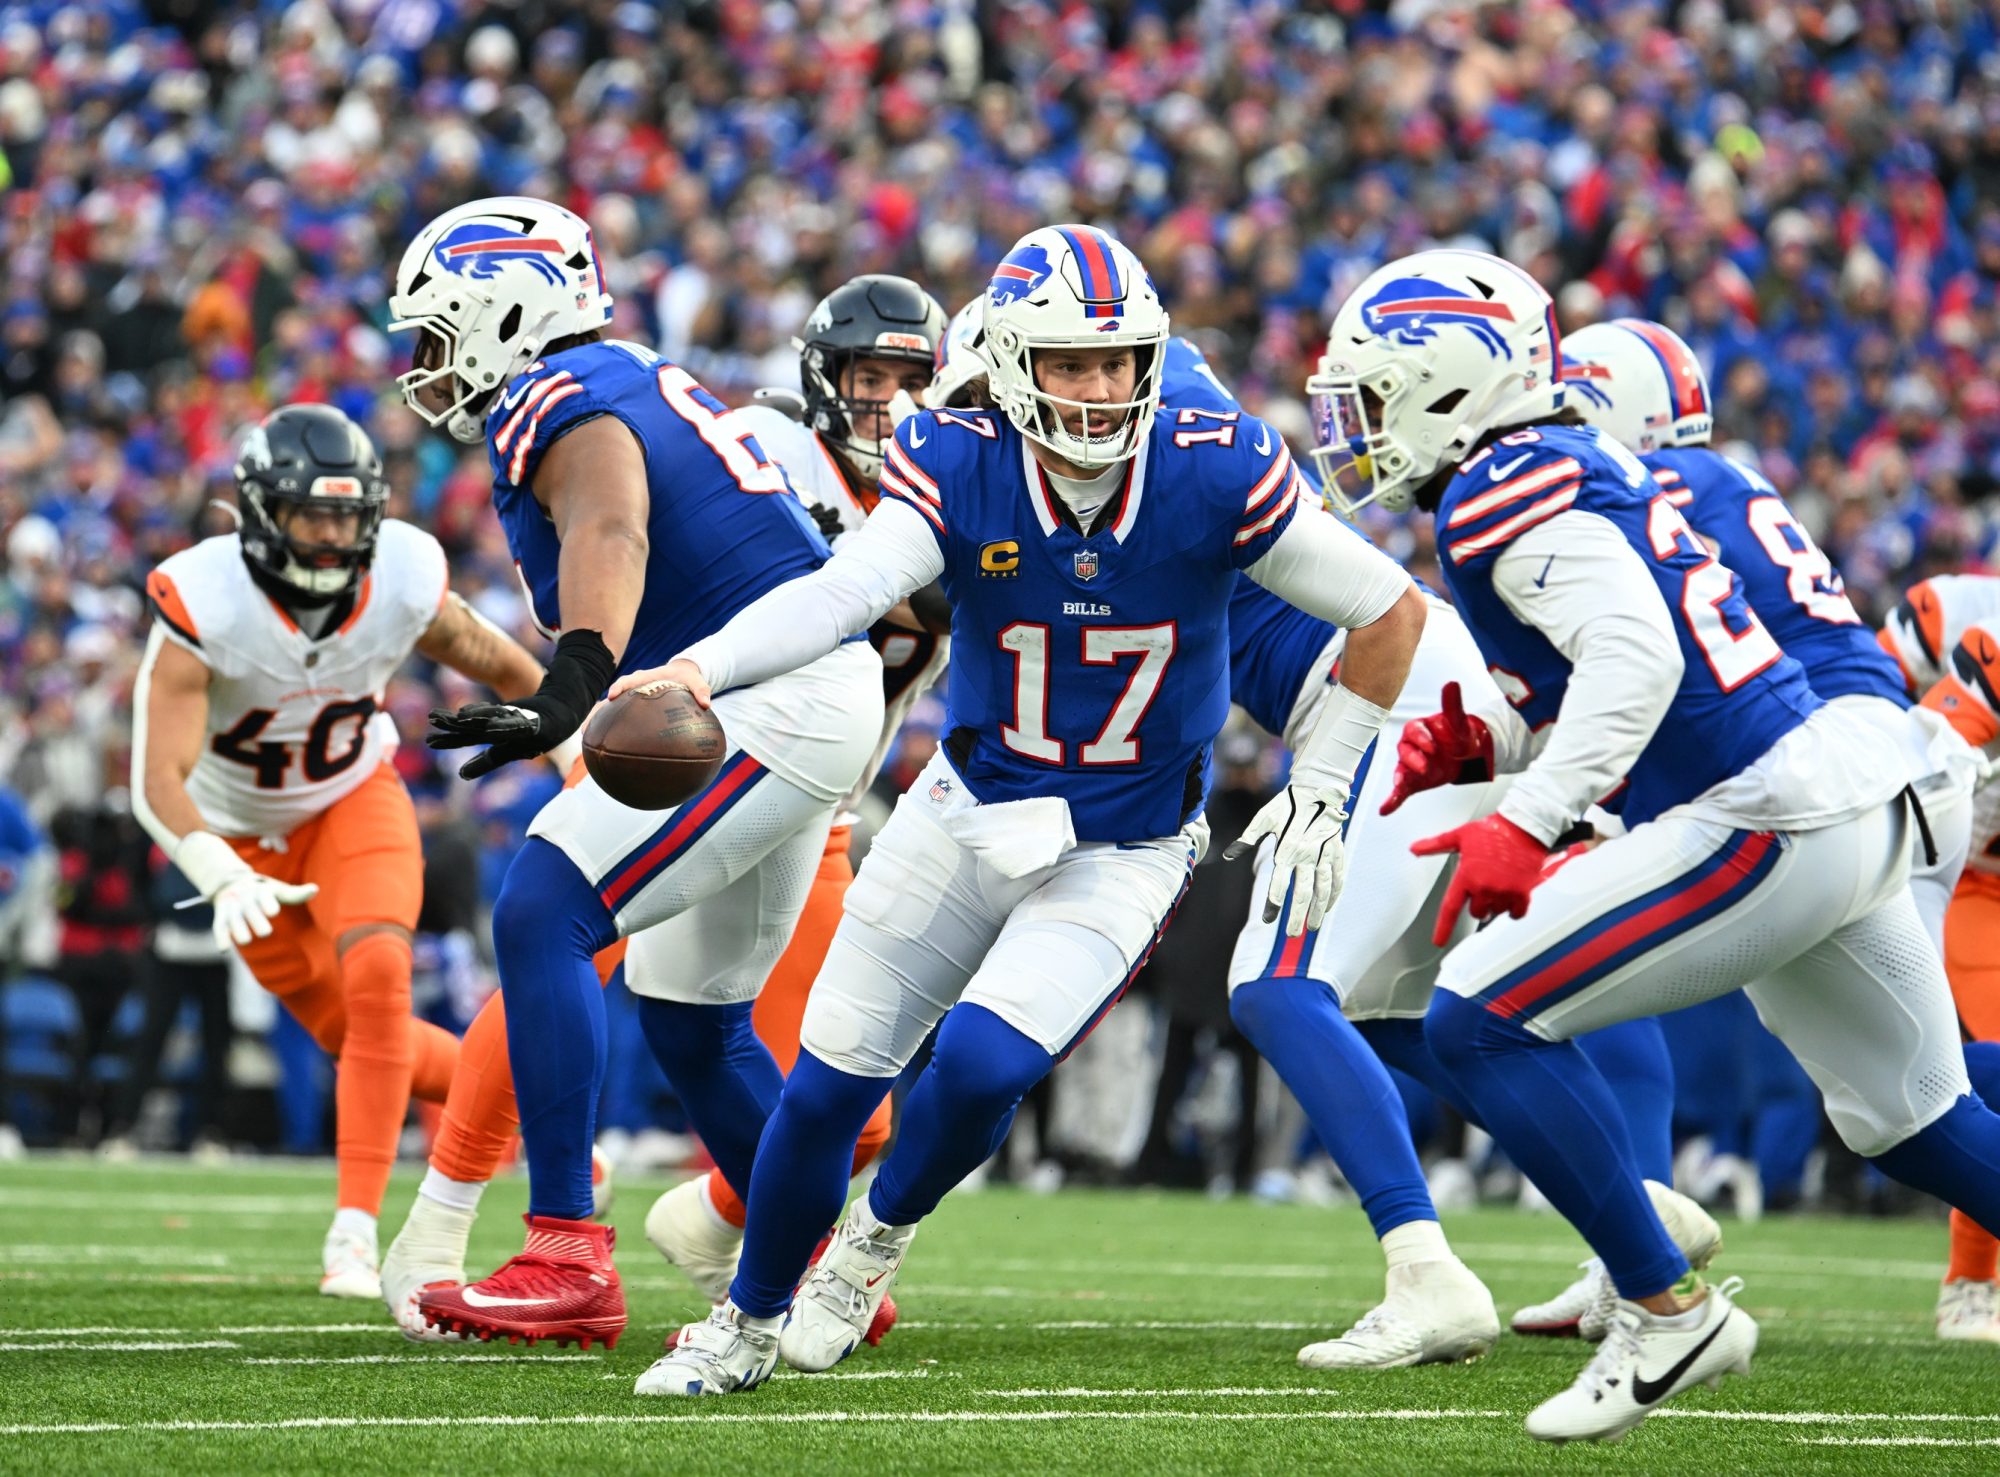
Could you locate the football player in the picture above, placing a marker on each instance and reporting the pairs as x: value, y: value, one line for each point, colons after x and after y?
x: 260, y: 764
x: 1089, y: 542
x: 1769, y: 841
x: 1931, y: 620
x: 641, y: 517
x: 1644, y: 386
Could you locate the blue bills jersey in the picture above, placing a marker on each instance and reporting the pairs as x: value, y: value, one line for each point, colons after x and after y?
x: 1093, y: 664
x: 1274, y: 647
x: 1739, y: 692
x: 1787, y: 580
x: 722, y: 523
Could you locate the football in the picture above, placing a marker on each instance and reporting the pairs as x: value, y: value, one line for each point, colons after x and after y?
x: 653, y: 747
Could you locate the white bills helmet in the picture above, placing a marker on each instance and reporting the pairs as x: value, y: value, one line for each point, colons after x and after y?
x: 961, y: 356
x: 1424, y: 358
x: 1070, y: 287
x: 488, y: 286
x: 1640, y: 382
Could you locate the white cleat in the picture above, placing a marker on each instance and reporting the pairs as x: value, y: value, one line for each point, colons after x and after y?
x: 347, y: 1266
x: 836, y: 1303
x: 602, y: 1191
x: 687, y: 1232
x: 1645, y: 1360
x: 724, y: 1354
x: 429, y: 1250
x: 1585, y: 1308
x: 1435, y: 1312
x: 1969, y: 1312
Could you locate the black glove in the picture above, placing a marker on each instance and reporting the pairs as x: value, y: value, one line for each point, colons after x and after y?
x: 828, y: 519
x: 583, y: 667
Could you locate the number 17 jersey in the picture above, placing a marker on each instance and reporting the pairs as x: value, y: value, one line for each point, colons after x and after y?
x: 1093, y: 665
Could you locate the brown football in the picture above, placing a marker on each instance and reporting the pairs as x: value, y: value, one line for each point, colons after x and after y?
x: 653, y: 747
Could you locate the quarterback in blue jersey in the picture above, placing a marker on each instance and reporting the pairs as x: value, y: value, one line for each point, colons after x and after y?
x: 641, y: 519
x: 1089, y: 541
x: 1769, y: 844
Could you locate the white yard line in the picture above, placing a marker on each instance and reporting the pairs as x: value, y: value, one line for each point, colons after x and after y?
x: 408, y: 1359
x: 1233, y: 1392
x: 1899, y: 1441
x: 189, y: 1203
x: 120, y: 1347
x: 1526, y: 1254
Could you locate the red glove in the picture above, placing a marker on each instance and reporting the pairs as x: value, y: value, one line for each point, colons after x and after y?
x: 1447, y: 748
x: 1498, y: 866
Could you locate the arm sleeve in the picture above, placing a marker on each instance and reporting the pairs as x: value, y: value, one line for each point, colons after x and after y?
x: 1598, y: 605
x: 1328, y: 571
x: 891, y: 555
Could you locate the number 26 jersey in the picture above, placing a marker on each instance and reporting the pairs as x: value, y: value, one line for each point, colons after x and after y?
x: 294, y: 724
x: 1094, y: 666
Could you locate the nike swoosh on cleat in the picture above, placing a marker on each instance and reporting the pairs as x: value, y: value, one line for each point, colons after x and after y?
x: 1650, y: 1392
x: 477, y: 1299
x: 1501, y: 474
x: 875, y: 1279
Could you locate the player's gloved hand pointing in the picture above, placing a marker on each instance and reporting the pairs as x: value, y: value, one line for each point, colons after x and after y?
x: 245, y: 900
x: 1499, y: 865
x: 532, y: 725
x: 1447, y: 748
x: 1311, y: 863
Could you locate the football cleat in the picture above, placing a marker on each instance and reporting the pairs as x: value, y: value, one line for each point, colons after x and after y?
x: 1969, y: 1311
x: 1435, y: 1312
x: 838, y: 1302
x: 1584, y: 1309
x: 724, y: 1354
x: 429, y: 1252
x: 1646, y: 1359
x: 685, y: 1231
x: 347, y: 1265
x: 561, y: 1287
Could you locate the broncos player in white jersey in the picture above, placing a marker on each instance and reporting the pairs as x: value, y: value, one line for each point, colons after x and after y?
x: 1088, y: 541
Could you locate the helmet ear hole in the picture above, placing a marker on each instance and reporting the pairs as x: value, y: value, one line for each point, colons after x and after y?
x: 1445, y: 404
x: 511, y: 324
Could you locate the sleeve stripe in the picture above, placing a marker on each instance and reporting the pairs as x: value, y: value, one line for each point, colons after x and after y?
x: 1283, y: 506
x: 916, y: 502
x: 1680, y: 499
x: 1271, y: 481
x: 1528, y: 482
x: 169, y: 607
x: 896, y: 484
x: 1666, y: 476
x: 1506, y: 529
x: 520, y: 462
x: 527, y: 404
x: 911, y: 470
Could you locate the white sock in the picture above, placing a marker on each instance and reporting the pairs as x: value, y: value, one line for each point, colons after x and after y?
x: 708, y: 1204
x: 756, y: 1325
x: 1415, y: 1241
x: 866, y: 1221
x: 454, y: 1194
x: 358, y: 1222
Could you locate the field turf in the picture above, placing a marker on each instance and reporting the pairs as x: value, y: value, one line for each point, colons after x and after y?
x: 162, y: 1318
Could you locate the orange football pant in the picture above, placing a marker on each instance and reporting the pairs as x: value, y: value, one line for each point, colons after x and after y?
x: 364, y: 853
x: 1972, y: 960
x: 480, y: 1118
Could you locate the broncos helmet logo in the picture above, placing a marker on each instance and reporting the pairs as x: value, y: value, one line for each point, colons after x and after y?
x: 1410, y: 310
x: 1020, y: 272
x: 1578, y: 374
x: 477, y: 249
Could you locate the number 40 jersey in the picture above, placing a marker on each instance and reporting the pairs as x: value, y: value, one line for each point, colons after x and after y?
x: 294, y: 724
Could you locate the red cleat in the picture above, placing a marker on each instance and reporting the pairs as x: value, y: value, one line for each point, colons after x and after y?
x: 561, y: 1287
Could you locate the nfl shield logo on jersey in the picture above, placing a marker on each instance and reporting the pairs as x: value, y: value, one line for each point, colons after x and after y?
x: 939, y: 790
x: 1086, y: 564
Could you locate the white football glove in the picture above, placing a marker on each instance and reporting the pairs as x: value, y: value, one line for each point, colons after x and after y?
x: 245, y: 900
x: 1310, y: 862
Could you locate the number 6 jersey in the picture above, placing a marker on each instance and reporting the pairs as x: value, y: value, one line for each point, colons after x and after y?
x: 294, y: 724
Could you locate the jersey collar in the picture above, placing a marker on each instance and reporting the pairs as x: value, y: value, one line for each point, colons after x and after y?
x: 1120, y: 514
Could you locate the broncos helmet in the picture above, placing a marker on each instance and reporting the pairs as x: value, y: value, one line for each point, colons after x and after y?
x: 308, y: 456
x: 867, y: 317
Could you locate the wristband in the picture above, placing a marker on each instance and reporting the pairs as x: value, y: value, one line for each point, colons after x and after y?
x: 577, y: 677
x: 208, y: 862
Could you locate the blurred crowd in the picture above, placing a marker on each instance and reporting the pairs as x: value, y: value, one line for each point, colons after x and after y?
x: 200, y: 203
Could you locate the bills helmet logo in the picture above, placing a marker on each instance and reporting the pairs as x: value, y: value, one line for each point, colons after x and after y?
x: 1086, y: 564
x: 1410, y: 311
x: 1588, y: 380
x: 477, y: 249
x: 1020, y: 272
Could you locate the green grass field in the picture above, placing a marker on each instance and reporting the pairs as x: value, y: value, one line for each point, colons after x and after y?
x: 163, y: 1318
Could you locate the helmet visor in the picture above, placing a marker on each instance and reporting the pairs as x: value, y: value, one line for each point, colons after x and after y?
x: 1345, y: 442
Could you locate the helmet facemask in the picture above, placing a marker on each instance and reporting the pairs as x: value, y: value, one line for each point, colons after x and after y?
x: 320, y: 572
x: 1106, y: 432
x: 1358, y: 461
x: 835, y: 413
x: 467, y: 386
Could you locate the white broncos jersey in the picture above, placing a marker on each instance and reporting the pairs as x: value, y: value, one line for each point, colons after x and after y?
x: 911, y: 660
x: 294, y: 724
x: 1933, y: 618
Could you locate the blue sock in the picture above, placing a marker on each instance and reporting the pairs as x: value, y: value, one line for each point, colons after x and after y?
x: 1956, y: 1158
x: 1559, y: 1121
x: 957, y: 1114
x: 1632, y: 1057
x: 1401, y: 1044
x: 1296, y: 1024
x: 799, y: 1180
x: 724, y: 1076
x: 547, y: 923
